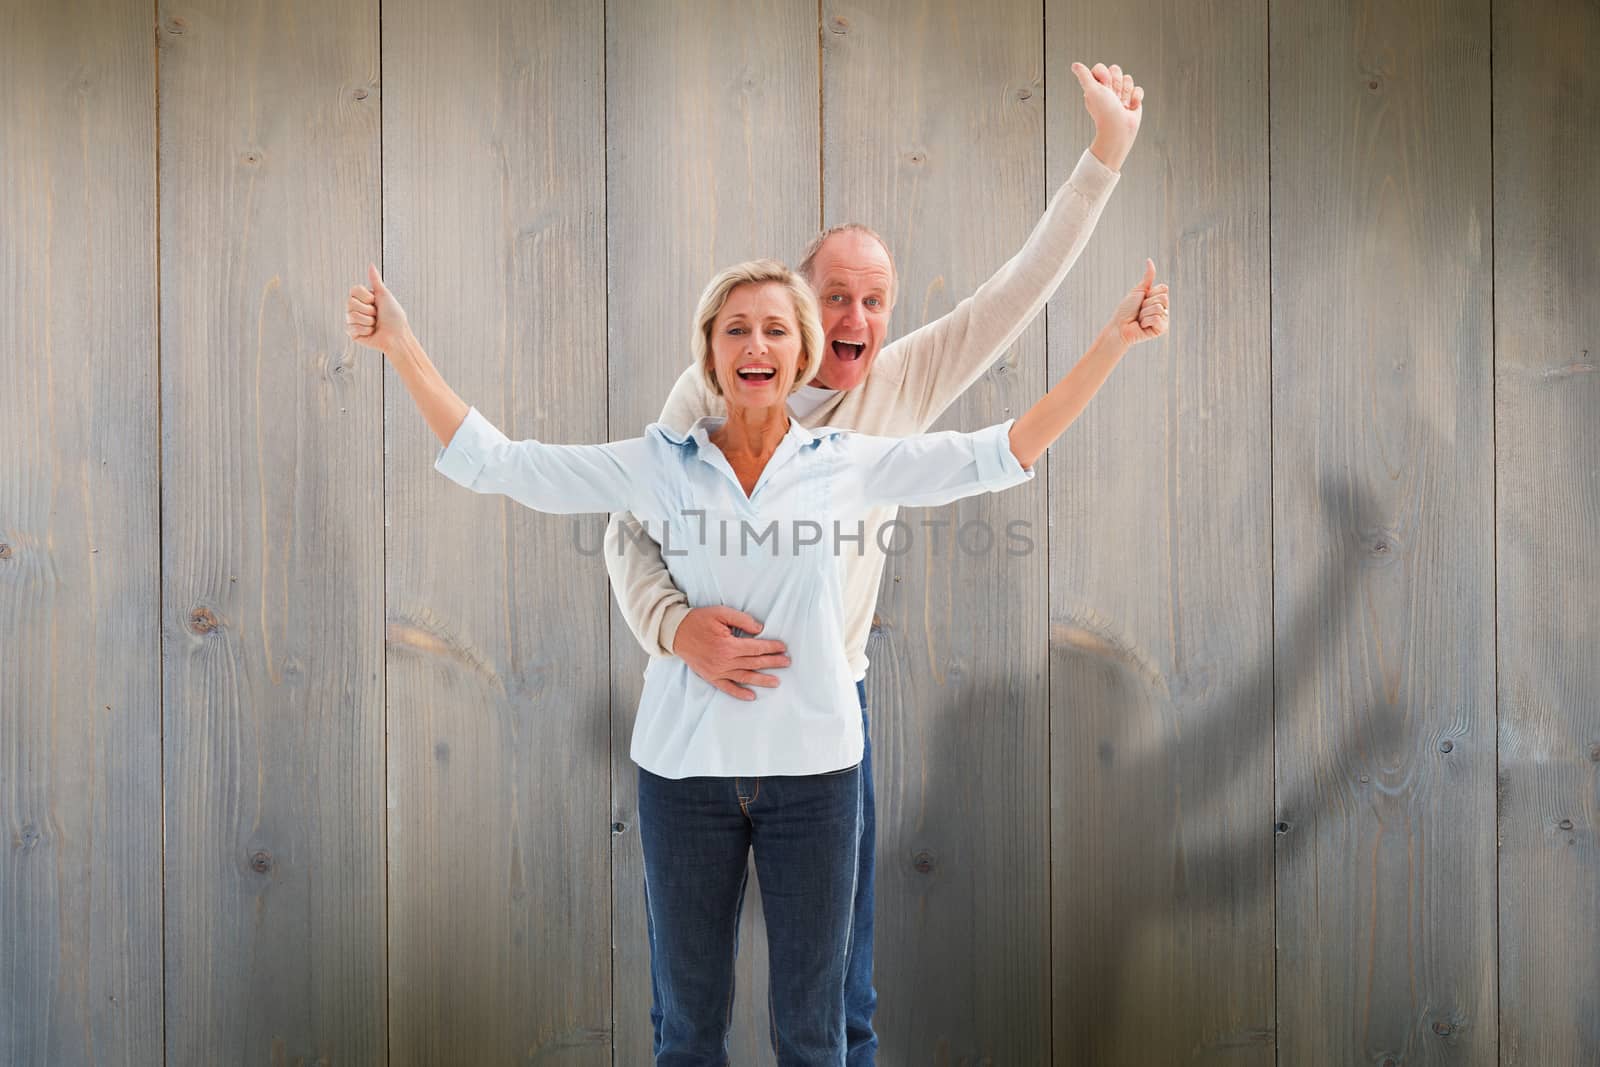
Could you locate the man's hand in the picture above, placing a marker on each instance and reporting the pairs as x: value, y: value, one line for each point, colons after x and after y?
x: 1116, y: 105
x: 706, y: 642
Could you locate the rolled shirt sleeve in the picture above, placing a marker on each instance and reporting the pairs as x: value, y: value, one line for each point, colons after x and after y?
x: 563, y: 479
x: 929, y: 469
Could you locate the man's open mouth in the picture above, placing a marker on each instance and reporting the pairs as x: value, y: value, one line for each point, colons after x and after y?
x: 848, y: 350
x: 757, y: 374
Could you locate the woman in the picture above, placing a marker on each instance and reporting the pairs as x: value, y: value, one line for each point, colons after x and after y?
x: 751, y: 509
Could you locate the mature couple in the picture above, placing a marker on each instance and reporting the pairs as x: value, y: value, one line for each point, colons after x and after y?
x: 792, y: 419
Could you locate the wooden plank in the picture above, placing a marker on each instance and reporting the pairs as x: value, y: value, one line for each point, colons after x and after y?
x: 1160, y: 564
x: 930, y: 109
x: 1383, y: 470
x: 273, y: 541
x: 1547, y: 359
x: 80, y: 727
x: 712, y: 142
x: 497, y: 630
x: 272, y: 548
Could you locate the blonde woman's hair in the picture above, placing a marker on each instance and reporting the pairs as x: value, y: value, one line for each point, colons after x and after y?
x: 757, y: 272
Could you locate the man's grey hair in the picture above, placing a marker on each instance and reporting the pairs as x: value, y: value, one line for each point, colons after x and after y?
x: 808, y: 264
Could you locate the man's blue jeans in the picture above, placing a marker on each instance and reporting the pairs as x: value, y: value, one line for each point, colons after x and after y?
x: 860, y: 999
x: 813, y: 842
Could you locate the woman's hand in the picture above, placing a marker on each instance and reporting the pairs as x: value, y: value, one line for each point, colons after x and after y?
x: 1116, y: 105
x: 374, y: 317
x: 1142, y: 315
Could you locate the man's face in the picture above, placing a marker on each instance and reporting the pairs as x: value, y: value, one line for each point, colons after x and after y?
x: 854, y: 282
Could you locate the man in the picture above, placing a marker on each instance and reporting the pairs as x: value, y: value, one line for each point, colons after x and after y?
x: 891, y: 390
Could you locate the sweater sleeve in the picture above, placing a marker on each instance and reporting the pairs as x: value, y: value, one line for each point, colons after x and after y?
x: 941, y: 359
x: 650, y: 603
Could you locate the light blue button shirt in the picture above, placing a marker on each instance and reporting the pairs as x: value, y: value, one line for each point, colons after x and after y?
x: 773, y: 554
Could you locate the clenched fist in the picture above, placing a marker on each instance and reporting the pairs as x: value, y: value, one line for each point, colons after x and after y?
x: 374, y: 317
x: 1116, y: 104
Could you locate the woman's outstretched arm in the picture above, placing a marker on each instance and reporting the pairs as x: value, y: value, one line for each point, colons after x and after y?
x: 440, y: 405
x: 375, y: 319
x: 564, y: 479
x: 1141, y: 316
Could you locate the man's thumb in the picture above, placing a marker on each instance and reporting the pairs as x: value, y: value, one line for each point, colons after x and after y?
x: 738, y: 618
x: 372, y: 276
x: 1085, y: 77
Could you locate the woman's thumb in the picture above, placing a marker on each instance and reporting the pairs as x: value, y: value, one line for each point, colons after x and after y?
x: 372, y: 277
x: 1083, y: 74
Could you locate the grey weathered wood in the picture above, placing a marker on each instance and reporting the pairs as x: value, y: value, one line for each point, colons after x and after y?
x: 272, y: 547
x: 499, y: 918
x: 1160, y: 565
x: 415, y: 865
x: 712, y: 159
x: 1383, y: 483
x: 933, y: 123
x: 1547, y: 359
x: 80, y: 727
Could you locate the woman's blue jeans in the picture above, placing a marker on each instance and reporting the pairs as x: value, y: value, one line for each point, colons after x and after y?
x: 813, y: 840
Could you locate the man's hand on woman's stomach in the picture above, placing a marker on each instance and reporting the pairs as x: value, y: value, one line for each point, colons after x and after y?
x: 707, y: 642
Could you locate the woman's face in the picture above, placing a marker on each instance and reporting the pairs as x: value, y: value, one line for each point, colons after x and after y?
x: 755, y: 345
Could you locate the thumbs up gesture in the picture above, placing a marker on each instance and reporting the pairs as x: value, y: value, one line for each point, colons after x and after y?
x: 1143, y: 313
x: 373, y: 316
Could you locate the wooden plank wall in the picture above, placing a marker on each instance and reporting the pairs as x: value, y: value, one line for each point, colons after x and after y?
x: 498, y: 700
x: 1547, y: 437
x: 1383, y: 497
x: 1160, y: 564
x: 308, y: 755
x: 272, y: 554
x: 80, y: 567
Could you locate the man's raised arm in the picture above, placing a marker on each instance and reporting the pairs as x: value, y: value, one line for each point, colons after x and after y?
x: 941, y: 359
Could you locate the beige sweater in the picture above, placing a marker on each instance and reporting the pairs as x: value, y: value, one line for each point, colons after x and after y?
x: 909, y: 386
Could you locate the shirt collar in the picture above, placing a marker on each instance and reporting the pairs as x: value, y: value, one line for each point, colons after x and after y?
x: 699, y: 433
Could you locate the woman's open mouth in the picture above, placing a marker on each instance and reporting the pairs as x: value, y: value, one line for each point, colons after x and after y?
x: 848, y: 350
x: 757, y: 373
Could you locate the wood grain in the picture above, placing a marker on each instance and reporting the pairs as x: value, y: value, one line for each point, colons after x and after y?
x: 494, y: 232
x: 308, y: 755
x: 80, y: 551
x: 272, y: 547
x: 1383, y: 496
x: 1547, y: 431
x: 1160, y: 564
